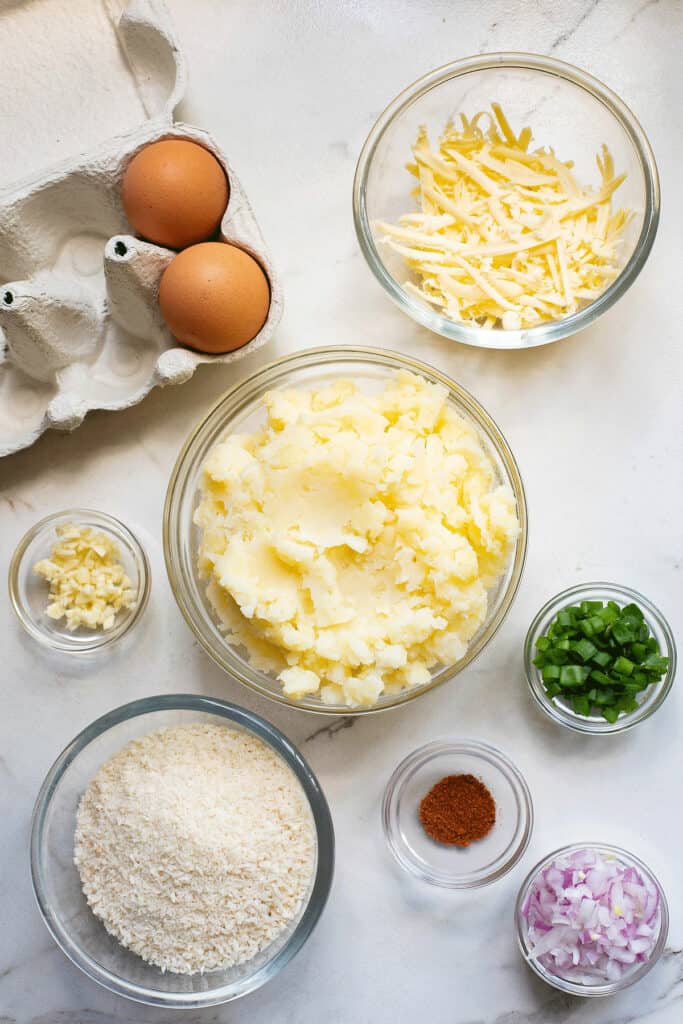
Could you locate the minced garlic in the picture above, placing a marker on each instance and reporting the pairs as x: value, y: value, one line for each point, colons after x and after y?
x: 349, y: 544
x: 506, y: 237
x: 88, y: 585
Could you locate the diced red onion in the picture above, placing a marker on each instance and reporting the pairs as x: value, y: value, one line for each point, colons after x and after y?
x: 591, y: 918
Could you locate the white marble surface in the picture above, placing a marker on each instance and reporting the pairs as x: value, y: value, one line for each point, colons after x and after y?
x: 290, y: 90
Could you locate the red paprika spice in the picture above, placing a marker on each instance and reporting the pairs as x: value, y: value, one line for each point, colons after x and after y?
x: 458, y: 810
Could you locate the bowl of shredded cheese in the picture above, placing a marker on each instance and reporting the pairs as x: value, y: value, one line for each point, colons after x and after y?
x: 79, y: 580
x: 345, y: 530
x: 506, y: 200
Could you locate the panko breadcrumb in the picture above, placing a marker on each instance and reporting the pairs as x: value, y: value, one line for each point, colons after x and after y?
x: 195, y: 846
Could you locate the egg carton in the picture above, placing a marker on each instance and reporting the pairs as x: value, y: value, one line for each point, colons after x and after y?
x: 80, y: 326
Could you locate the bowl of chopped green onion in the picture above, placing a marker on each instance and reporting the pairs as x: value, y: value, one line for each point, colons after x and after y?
x: 599, y: 658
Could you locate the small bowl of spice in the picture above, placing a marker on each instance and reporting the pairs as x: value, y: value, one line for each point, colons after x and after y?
x: 78, y: 580
x: 599, y: 658
x: 457, y: 814
x: 591, y: 919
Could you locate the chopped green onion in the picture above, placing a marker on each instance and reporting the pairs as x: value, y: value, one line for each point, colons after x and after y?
x: 609, y: 614
x: 582, y: 706
x: 605, y: 696
x: 624, y: 632
x: 584, y: 648
x: 638, y: 652
x: 599, y: 657
x: 573, y: 675
x: 655, y: 663
x: 601, y: 678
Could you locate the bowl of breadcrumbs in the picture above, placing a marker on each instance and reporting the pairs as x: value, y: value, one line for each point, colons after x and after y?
x: 182, y: 851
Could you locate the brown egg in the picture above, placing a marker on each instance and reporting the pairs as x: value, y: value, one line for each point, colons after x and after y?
x: 214, y: 297
x: 175, y: 193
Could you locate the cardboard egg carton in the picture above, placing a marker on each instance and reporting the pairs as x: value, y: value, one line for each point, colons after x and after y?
x: 80, y: 326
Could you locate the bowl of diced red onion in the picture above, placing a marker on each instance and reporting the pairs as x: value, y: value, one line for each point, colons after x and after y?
x: 591, y: 919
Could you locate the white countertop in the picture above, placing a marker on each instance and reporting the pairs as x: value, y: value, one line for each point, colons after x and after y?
x: 290, y: 90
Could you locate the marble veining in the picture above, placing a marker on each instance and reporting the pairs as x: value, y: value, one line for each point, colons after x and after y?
x: 568, y: 32
x: 331, y: 730
x: 291, y: 90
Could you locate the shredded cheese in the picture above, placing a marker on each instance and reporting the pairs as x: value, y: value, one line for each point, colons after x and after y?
x: 88, y: 585
x: 505, y: 237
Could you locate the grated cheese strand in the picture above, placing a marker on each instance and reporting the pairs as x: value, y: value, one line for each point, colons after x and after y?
x: 506, y: 237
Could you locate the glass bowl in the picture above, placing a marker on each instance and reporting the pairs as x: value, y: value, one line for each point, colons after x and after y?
x: 57, y: 884
x: 572, y: 987
x: 454, y: 867
x: 29, y: 592
x: 649, y: 700
x: 567, y: 109
x: 240, y: 410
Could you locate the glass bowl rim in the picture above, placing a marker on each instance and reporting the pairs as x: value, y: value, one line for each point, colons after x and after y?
x: 321, y: 356
x: 572, y: 987
x: 121, y: 533
x: 551, y: 331
x: 320, y: 812
x: 473, y: 748
x: 568, y: 719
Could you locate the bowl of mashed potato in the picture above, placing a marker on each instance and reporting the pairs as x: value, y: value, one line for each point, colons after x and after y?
x: 345, y: 530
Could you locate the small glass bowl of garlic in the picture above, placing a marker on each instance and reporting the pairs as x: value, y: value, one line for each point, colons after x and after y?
x: 79, y: 580
x: 506, y: 200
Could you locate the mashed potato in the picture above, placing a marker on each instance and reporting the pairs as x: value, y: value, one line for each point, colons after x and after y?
x: 350, y: 543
